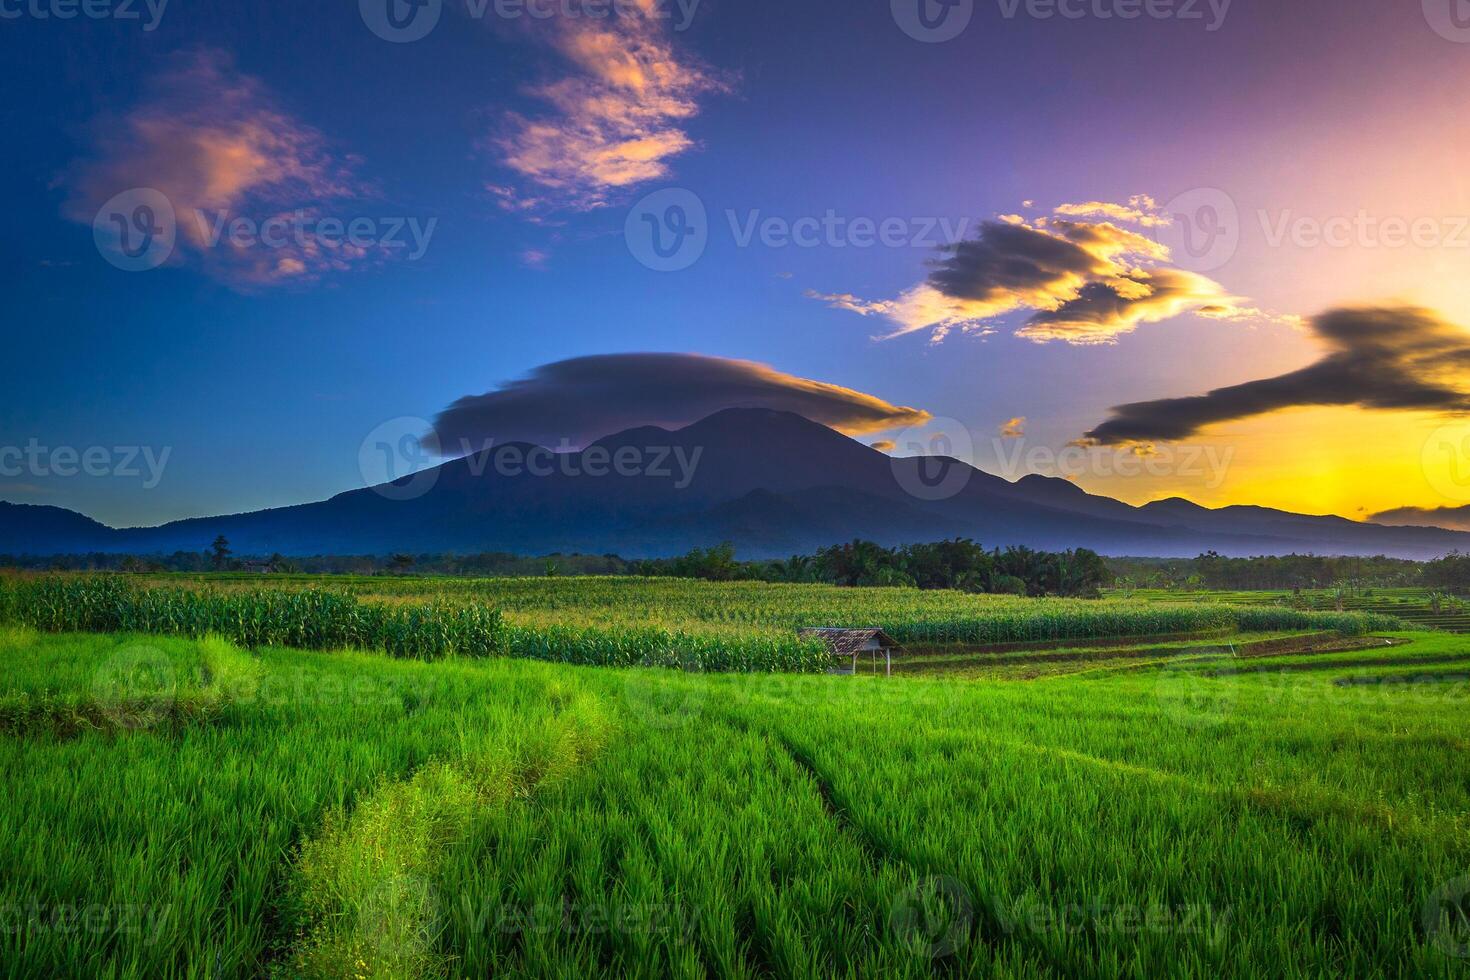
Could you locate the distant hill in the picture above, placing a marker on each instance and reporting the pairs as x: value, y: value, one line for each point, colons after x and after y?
x: 772, y: 483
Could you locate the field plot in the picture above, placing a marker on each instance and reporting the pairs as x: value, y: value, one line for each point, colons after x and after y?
x: 1418, y: 607
x: 1283, y: 801
x: 747, y: 627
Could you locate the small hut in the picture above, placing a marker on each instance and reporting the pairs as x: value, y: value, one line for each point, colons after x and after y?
x: 845, y: 643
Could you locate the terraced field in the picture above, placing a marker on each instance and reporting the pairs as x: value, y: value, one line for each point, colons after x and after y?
x: 1413, y: 606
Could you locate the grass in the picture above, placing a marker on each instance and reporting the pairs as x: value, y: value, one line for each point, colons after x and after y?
x: 351, y: 814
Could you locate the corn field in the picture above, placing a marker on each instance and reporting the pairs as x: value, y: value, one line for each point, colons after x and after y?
x: 744, y: 627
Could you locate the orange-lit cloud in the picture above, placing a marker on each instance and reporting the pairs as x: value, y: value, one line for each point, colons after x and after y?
x: 214, y: 143
x: 616, y: 122
x: 1388, y: 358
x: 1014, y: 428
x: 1104, y: 310
x: 1084, y: 282
x: 580, y: 400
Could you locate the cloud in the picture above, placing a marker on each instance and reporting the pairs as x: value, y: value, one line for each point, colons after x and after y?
x: 1084, y: 282
x: 1104, y: 310
x: 214, y: 143
x: 1388, y: 358
x: 884, y: 445
x: 1450, y: 518
x: 580, y: 400
x: 615, y: 122
x: 1141, y: 209
x: 1014, y: 428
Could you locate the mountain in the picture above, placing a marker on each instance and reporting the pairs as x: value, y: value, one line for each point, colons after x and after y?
x: 773, y: 483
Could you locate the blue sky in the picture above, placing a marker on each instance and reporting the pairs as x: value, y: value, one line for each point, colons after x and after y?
x: 263, y: 381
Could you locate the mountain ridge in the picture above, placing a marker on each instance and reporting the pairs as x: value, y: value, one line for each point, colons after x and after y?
x: 770, y: 482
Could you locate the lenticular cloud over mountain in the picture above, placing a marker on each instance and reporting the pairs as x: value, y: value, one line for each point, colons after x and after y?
x: 574, y: 402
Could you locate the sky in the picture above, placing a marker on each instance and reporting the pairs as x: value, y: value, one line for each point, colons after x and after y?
x: 1209, y: 250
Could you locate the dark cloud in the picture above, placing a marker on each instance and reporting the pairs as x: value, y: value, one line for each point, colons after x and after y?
x: 580, y: 400
x: 1105, y: 309
x: 1005, y: 261
x: 1451, y: 518
x: 1393, y: 358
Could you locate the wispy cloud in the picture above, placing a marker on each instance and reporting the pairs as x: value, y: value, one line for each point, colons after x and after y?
x: 1141, y: 209
x: 1389, y: 358
x: 1014, y: 428
x: 216, y: 145
x: 580, y: 400
x: 615, y: 122
x: 1083, y: 281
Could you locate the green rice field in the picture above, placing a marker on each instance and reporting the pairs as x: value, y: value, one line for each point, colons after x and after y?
x: 1224, y: 794
x: 1416, y: 606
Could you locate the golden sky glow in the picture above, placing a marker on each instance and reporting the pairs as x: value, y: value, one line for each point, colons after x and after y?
x: 1344, y: 461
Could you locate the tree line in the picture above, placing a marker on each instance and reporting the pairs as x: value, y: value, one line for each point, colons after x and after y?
x: 1214, y: 571
x: 953, y: 564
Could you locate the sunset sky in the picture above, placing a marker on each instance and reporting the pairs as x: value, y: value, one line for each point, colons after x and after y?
x: 978, y: 242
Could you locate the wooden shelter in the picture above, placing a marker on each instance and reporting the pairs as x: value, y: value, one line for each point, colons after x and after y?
x: 854, y: 643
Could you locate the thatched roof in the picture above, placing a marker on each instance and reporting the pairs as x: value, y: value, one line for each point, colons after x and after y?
x: 846, y: 642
